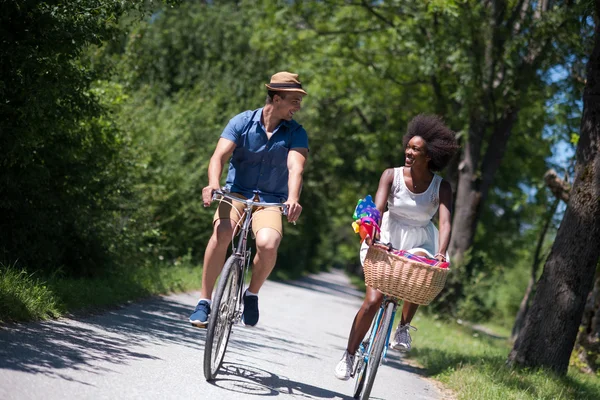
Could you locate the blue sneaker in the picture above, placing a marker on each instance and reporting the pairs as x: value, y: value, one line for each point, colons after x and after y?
x: 250, y: 315
x: 199, y: 317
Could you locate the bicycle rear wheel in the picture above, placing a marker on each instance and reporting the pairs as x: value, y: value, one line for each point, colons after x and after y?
x: 379, y: 344
x: 221, y: 319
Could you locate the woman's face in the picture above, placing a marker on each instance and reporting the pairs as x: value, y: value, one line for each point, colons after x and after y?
x: 416, y: 153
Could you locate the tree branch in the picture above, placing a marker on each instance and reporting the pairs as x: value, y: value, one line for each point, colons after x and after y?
x: 495, y: 150
x: 519, y: 15
x: 559, y: 188
x: 369, y: 8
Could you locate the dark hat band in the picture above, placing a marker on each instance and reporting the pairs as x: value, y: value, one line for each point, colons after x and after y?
x: 285, y: 85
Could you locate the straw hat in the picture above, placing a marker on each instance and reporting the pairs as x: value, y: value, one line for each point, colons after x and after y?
x: 285, y: 82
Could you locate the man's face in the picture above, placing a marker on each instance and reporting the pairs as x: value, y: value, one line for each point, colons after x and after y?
x: 288, y: 106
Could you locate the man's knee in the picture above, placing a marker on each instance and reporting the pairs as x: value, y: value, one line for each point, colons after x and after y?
x: 267, y: 240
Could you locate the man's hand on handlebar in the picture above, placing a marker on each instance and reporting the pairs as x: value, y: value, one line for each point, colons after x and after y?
x: 207, y: 194
x: 294, y: 210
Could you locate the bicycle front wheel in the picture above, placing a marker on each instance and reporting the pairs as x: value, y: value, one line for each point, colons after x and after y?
x: 379, y: 343
x: 361, y: 372
x: 222, y: 316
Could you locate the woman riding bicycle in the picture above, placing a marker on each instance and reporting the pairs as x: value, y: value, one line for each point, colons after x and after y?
x: 413, y: 194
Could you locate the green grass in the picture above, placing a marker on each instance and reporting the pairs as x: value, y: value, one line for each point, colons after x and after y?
x: 472, y: 364
x: 26, y: 297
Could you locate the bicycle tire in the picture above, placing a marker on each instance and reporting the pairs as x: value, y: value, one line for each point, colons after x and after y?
x: 360, y: 377
x: 378, y: 346
x: 221, y: 317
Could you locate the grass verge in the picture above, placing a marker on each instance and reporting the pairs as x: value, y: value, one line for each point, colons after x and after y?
x: 27, y: 297
x: 472, y: 364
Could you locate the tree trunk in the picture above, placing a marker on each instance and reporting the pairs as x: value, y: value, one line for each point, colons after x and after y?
x: 587, y: 345
x: 524, y: 306
x: 467, y: 195
x: 475, y: 181
x: 552, y: 323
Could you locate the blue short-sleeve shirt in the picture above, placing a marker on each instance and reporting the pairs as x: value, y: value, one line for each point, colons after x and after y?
x: 259, y: 165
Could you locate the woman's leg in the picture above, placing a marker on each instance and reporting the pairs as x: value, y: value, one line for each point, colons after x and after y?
x: 363, y: 319
x: 408, y: 312
x: 402, y: 340
x: 409, y: 309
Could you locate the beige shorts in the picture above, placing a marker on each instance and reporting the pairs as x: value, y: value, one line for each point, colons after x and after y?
x: 262, y: 217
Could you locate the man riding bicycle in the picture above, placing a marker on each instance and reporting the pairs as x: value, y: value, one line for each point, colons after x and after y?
x: 267, y: 151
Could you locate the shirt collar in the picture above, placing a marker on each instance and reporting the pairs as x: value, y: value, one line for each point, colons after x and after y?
x: 258, y: 115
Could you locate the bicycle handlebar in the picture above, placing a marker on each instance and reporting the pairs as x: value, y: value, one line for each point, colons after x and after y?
x: 249, y: 202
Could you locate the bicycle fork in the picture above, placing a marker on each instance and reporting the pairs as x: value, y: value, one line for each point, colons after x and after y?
x: 364, y: 350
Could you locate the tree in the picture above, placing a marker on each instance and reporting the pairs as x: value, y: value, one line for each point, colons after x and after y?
x: 587, y: 345
x: 568, y: 276
x: 509, y: 51
x: 62, y: 182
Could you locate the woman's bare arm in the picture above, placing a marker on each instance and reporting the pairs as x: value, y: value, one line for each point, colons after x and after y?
x: 445, y: 214
x: 383, y: 191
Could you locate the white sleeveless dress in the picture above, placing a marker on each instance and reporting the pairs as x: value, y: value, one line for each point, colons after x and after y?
x: 407, y: 222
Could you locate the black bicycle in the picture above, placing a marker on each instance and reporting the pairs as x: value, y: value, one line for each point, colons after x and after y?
x: 227, y: 303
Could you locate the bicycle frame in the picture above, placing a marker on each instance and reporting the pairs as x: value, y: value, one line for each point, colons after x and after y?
x: 241, y: 250
x: 366, y: 353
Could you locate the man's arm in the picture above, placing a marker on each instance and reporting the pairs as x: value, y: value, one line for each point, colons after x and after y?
x: 224, y: 150
x: 295, y: 162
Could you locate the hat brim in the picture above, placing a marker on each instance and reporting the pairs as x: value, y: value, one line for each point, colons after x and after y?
x: 286, y: 90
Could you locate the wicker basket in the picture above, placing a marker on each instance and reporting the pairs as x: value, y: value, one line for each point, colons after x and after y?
x: 403, y: 278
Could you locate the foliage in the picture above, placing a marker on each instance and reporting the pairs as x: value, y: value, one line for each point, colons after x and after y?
x: 25, y: 296
x: 64, y: 180
x: 371, y: 68
x: 185, y: 78
x: 114, y: 109
x: 471, y: 362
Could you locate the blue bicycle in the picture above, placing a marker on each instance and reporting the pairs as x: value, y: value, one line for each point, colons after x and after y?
x: 373, y: 350
x: 398, y: 278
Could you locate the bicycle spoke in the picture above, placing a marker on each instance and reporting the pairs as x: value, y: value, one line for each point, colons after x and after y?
x: 221, y: 319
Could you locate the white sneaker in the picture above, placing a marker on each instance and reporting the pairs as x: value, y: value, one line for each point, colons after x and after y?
x: 402, y: 339
x: 344, y: 367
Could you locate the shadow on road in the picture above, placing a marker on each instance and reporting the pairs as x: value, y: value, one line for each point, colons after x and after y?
x: 95, y: 344
x: 119, y: 337
x: 395, y: 361
x: 55, y: 346
x: 255, y: 381
x: 321, y: 283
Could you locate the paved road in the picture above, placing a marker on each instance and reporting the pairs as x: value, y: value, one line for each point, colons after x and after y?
x: 148, y: 350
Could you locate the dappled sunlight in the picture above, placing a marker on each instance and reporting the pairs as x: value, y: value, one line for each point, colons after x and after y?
x: 93, y: 344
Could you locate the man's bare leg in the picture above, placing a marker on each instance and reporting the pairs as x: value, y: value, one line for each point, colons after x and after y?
x: 267, y: 244
x: 214, y: 256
